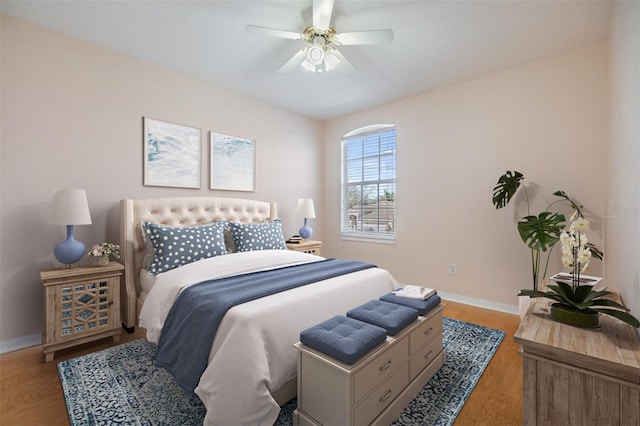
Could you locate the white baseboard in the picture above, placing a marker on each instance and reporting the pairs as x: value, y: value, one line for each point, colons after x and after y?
x: 481, y: 303
x: 20, y: 343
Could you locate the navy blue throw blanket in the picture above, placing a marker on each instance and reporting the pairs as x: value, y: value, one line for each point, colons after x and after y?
x: 192, y: 322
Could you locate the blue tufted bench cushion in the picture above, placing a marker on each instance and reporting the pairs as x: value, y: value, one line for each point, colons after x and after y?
x: 422, y: 306
x: 390, y: 316
x: 345, y: 339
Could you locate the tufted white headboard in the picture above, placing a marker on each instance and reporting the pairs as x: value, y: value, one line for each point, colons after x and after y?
x: 179, y: 211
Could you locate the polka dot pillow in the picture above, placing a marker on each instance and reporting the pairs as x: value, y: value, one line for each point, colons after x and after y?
x: 177, y: 246
x: 258, y: 236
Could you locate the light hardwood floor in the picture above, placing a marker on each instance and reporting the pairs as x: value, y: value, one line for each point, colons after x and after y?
x: 30, y: 391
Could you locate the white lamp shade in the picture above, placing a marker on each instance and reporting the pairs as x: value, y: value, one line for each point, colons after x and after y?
x: 69, y: 207
x: 305, y: 208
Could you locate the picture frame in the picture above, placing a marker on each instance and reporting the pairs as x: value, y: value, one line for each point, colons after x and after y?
x: 232, y: 163
x: 172, y: 154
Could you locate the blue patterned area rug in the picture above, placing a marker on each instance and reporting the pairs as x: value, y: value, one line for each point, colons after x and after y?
x: 122, y: 385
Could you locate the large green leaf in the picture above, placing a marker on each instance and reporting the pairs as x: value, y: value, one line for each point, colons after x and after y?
x: 535, y: 293
x: 541, y: 232
x: 607, y: 302
x: 565, y: 292
x: 532, y: 293
x: 506, y: 188
x: 596, y: 295
x: 581, y: 293
x: 622, y: 316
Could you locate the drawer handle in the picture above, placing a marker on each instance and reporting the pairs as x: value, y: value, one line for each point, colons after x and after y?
x: 386, y: 366
x: 428, y: 355
x: 385, y: 396
x: 429, y: 331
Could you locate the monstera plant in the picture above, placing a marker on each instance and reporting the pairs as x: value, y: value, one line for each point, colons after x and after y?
x: 539, y: 232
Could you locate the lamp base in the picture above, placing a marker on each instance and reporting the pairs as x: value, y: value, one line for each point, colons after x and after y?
x: 69, y: 251
x: 306, y: 231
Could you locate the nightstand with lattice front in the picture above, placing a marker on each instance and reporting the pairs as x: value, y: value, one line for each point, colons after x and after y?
x: 81, y: 304
x: 308, y: 246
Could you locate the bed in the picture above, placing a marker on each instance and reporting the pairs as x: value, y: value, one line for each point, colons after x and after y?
x: 251, y: 367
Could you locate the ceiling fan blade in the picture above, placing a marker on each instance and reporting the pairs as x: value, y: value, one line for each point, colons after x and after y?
x: 272, y: 32
x: 345, y: 66
x: 364, y: 37
x: 322, y: 10
x: 294, y: 61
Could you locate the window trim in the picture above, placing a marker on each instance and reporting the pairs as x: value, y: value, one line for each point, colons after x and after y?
x: 368, y: 237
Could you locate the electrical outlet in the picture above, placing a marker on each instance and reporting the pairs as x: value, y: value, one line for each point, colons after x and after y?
x: 453, y: 269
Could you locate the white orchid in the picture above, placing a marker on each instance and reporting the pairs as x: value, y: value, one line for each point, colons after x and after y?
x: 579, y: 225
x: 576, y: 253
x: 583, y: 258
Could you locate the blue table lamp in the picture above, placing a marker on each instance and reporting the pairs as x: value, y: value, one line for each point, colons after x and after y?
x: 306, y: 210
x: 69, y: 207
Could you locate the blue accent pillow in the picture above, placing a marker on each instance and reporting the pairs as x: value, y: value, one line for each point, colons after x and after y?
x: 389, y: 316
x: 177, y: 246
x: 343, y: 338
x: 258, y: 236
x: 422, y: 306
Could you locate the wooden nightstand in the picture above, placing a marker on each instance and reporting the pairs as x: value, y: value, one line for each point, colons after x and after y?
x: 81, y: 304
x: 309, y: 246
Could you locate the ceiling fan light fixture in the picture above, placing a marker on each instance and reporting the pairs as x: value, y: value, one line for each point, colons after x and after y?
x: 308, y: 65
x: 320, y: 54
x: 330, y: 60
x: 316, y: 52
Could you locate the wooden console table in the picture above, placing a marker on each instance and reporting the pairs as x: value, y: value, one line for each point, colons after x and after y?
x: 577, y: 376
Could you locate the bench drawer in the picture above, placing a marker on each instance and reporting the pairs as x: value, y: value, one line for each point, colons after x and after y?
x: 426, y: 332
x: 380, y: 399
x: 380, y: 368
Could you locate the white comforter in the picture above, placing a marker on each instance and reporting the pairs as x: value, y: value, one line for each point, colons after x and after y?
x: 252, y: 354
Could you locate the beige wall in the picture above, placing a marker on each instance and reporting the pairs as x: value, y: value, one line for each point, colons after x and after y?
x: 72, y: 117
x: 547, y: 119
x: 622, y: 217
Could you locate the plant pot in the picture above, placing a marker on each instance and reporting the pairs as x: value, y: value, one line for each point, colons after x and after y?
x: 103, y: 261
x: 576, y: 317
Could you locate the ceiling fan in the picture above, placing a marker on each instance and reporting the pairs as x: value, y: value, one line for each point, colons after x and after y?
x: 320, y: 54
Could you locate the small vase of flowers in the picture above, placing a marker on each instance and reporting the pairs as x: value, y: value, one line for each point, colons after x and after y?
x: 576, y: 302
x: 103, y: 252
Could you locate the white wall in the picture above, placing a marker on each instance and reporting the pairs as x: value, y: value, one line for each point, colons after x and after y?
x: 72, y: 117
x: 547, y: 119
x: 622, y: 219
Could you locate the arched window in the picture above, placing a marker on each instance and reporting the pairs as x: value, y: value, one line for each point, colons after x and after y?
x: 369, y: 182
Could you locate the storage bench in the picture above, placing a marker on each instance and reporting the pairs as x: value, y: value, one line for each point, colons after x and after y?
x: 377, y: 387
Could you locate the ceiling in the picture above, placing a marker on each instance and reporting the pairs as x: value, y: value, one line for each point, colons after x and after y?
x: 436, y: 42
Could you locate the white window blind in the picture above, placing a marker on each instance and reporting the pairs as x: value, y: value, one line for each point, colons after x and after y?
x: 369, y: 183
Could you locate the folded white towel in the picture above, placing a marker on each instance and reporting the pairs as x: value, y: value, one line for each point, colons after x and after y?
x: 415, y: 292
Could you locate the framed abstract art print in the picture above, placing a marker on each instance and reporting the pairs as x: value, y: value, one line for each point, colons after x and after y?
x: 233, y: 163
x: 171, y: 154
